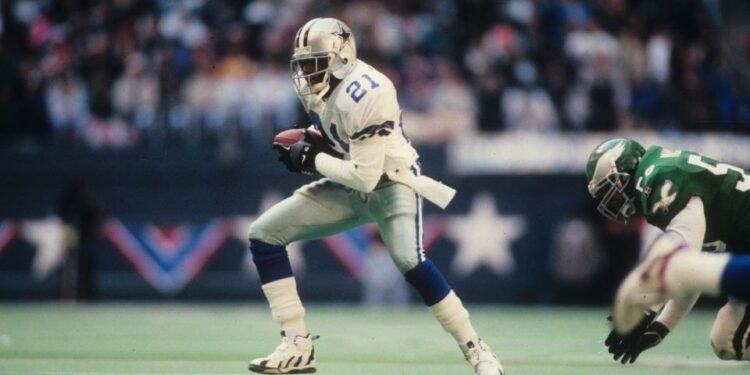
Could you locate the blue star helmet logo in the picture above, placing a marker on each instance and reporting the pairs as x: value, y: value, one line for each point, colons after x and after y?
x: 343, y: 34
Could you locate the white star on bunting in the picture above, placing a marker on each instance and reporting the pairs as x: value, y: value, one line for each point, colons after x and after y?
x: 484, y: 237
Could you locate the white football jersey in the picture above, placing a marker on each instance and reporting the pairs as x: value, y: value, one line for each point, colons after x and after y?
x: 362, y: 119
x: 362, y: 106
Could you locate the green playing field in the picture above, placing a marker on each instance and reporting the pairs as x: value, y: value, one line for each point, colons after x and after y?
x: 221, y: 339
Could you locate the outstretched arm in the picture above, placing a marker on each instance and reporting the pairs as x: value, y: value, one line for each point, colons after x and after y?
x: 690, y: 226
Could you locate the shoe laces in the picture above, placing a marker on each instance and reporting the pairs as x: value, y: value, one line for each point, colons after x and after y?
x: 479, y: 354
x: 473, y: 354
x: 288, y: 341
x: 472, y: 349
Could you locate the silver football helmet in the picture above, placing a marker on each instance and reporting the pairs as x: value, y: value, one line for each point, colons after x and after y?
x: 322, y: 47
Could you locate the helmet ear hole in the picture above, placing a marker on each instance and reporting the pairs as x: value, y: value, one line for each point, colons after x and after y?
x: 346, y: 61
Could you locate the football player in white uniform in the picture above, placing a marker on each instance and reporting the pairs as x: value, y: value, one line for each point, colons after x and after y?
x: 355, y: 107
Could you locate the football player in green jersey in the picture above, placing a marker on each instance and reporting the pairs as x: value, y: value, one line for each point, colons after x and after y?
x: 698, y: 202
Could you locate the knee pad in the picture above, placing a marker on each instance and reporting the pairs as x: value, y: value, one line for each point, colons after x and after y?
x: 429, y: 282
x: 272, y: 261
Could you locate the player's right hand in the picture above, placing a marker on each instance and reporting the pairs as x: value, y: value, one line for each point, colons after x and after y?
x: 299, y: 157
x: 647, y: 334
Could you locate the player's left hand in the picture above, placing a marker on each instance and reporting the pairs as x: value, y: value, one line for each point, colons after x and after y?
x: 647, y: 334
x: 299, y: 157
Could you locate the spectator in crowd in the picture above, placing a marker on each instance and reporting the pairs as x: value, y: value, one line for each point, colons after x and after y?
x: 135, y: 94
x: 526, y: 105
x: 198, y: 91
x: 450, y: 107
x: 67, y: 105
x: 22, y: 103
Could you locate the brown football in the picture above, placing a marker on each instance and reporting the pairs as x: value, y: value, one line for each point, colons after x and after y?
x: 291, y: 136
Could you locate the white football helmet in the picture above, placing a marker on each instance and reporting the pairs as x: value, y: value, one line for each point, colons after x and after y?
x: 322, y: 47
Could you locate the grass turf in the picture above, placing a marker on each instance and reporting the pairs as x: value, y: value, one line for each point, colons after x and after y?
x: 222, y: 338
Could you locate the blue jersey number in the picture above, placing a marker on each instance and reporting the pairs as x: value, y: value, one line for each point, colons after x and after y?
x: 315, y: 118
x: 356, y: 91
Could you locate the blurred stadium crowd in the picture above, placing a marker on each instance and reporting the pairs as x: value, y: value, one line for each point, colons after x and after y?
x: 119, y: 73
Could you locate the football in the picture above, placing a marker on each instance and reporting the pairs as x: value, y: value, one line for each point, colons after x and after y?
x: 291, y: 136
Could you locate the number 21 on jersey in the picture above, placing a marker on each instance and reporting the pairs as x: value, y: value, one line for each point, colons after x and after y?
x: 356, y: 91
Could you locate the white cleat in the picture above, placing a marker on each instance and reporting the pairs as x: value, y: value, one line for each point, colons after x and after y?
x: 481, y: 358
x: 295, y: 355
x: 645, y: 286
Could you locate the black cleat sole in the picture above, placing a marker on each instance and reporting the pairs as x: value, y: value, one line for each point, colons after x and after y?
x: 265, y: 370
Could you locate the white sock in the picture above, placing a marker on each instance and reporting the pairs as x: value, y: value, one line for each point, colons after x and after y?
x: 286, y: 307
x: 693, y: 272
x: 454, y: 318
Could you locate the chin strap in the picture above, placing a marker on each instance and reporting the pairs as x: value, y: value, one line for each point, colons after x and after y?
x: 333, y: 82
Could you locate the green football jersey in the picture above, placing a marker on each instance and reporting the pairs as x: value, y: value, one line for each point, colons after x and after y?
x: 665, y: 180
